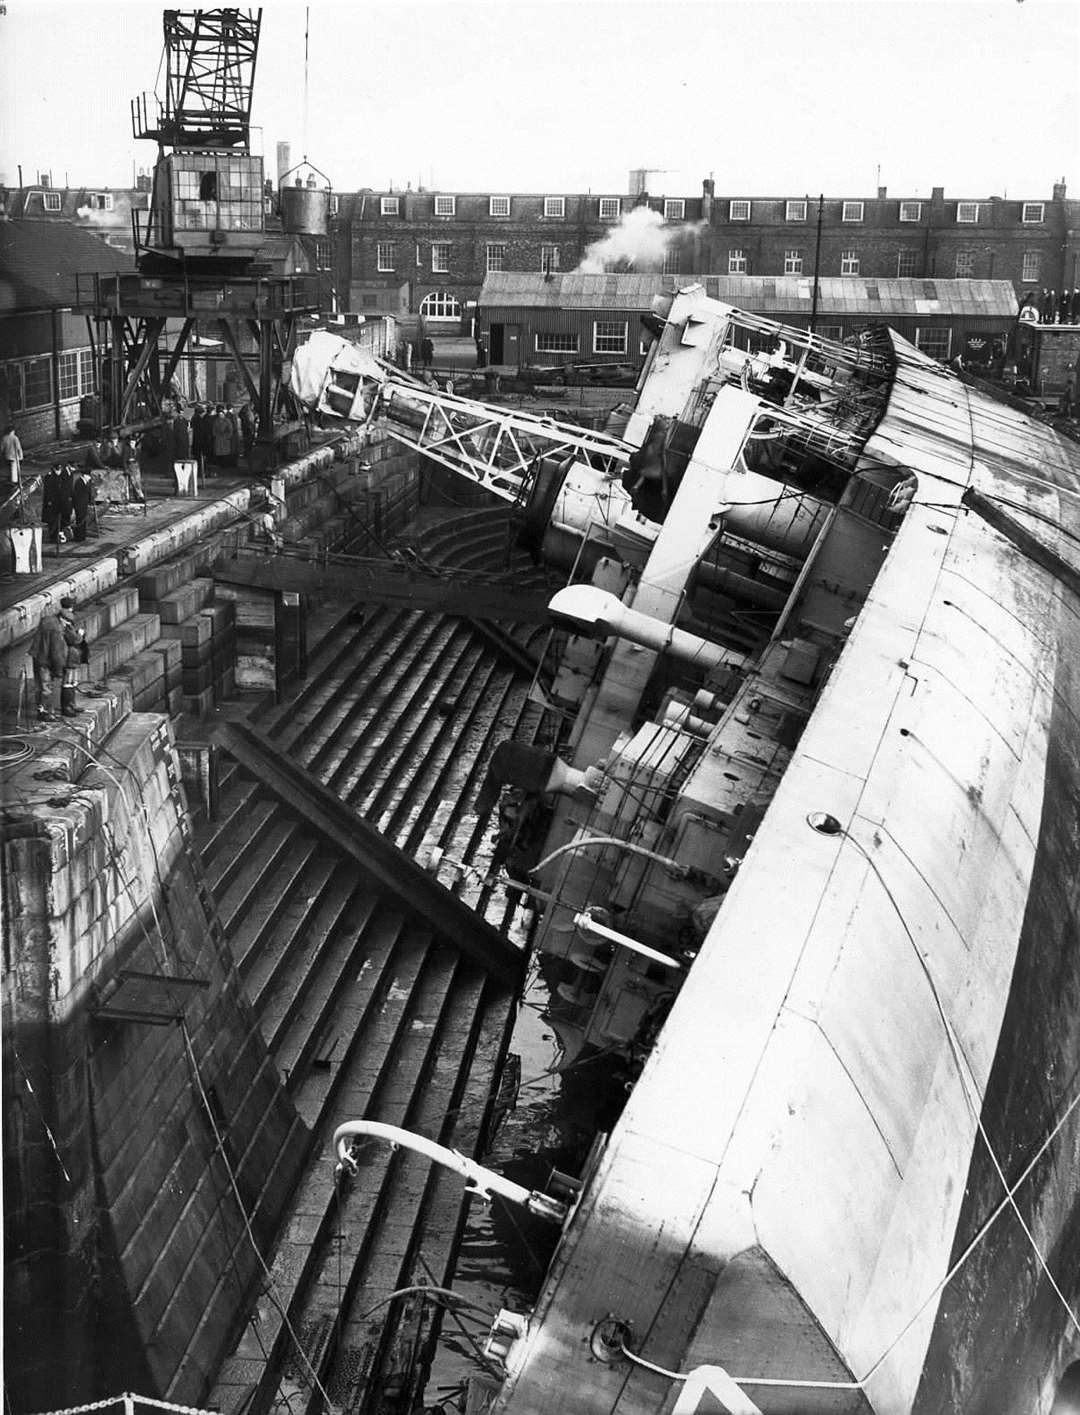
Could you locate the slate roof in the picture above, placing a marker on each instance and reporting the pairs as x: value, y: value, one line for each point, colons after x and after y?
x: 40, y: 259
x: 762, y: 294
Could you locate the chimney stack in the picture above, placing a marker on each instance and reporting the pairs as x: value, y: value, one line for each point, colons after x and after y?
x: 708, y: 191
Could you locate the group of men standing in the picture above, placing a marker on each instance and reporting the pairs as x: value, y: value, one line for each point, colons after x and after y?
x: 216, y: 435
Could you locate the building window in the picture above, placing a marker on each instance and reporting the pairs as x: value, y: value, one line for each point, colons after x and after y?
x: 609, y: 208
x: 965, y: 265
x: 967, y: 212
x: 739, y: 211
x: 556, y: 343
x: 1032, y: 212
x: 674, y: 209
x: 440, y: 304
x: 268, y: 205
x: 555, y: 206
x: 384, y: 255
x: 835, y: 332
x: 496, y: 256
x: 671, y: 261
x: 50, y: 201
x: 852, y: 211
x: 1031, y: 264
x: 334, y: 203
x: 86, y: 371
x: 69, y: 376
x: 793, y: 262
x: 498, y: 206
x: 37, y: 383
x: 736, y: 262
x: 795, y: 211
x: 322, y: 253
x: 389, y: 206
x: 445, y: 206
x: 549, y: 259
x: 99, y: 201
x: 911, y: 211
x: 609, y: 337
x: 935, y: 342
x: 907, y: 263
x: 849, y: 262
x: 440, y: 257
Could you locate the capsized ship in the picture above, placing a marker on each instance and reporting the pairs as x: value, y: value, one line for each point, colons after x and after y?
x: 807, y: 861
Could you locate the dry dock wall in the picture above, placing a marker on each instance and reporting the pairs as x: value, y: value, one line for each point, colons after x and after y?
x: 127, y: 1262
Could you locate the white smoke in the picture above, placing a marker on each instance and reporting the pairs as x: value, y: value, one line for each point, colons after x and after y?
x: 98, y: 216
x: 640, y: 241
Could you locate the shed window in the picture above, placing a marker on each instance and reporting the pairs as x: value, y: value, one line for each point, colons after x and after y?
x: 609, y: 337
x: 86, y: 371
x: 496, y: 257
x: 389, y: 206
x: 835, y: 332
x: 793, y: 262
x: 849, y: 262
x: 498, y: 206
x: 555, y: 206
x: 50, y: 201
x: 965, y: 265
x: 549, y: 259
x: 609, y: 208
x: 674, y: 208
x: 911, y: 211
x: 907, y: 263
x: 37, y: 383
x: 1031, y: 264
x: 852, y: 211
x: 795, y: 211
x: 69, y: 376
x: 384, y: 255
x: 967, y: 212
x: 445, y: 206
x: 739, y: 211
x: 736, y: 262
x: 556, y: 342
x: 935, y: 342
x: 1032, y: 212
x: 440, y: 257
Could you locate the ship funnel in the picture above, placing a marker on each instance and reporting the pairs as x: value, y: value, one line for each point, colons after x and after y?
x: 589, y: 610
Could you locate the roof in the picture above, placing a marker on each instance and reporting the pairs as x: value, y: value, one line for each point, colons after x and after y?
x: 40, y: 259
x: 774, y: 294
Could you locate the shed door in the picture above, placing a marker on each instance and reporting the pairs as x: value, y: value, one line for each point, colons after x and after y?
x: 504, y: 344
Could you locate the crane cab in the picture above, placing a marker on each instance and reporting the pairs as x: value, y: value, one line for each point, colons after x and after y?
x: 207, y: 203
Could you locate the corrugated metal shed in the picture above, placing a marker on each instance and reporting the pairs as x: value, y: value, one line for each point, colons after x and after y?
x: 771, y: 295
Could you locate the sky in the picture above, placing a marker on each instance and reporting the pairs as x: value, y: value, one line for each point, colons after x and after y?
x: 772, y: 97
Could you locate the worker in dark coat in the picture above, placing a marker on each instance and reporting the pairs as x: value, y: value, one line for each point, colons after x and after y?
x: 49, y: 653
x: 181, y: 439
x: 65, y: 503
x: 199, y: 425
x: 82, y: 491
x: 427, y: 352
x: 247, y: 427
x: 50, y: 503
x: 221, y: 432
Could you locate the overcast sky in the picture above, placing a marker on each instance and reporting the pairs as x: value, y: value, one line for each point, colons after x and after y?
x: 772, y: 96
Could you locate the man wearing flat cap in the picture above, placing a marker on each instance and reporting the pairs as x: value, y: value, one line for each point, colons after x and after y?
x: 56, y: 642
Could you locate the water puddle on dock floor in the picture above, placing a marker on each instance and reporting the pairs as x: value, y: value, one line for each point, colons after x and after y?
x: 551, y: 1123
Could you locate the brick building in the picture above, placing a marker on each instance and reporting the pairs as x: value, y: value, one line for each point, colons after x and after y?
x: 432, y: 250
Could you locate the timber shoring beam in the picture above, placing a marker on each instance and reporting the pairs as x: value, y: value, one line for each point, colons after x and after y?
x: 416, y: 891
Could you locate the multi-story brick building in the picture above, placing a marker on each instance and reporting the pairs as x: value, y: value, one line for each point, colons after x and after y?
x: 430, y: 251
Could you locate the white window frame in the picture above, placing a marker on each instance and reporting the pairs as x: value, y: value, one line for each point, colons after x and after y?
x: 445, y: 206
x: 739, y: 209
x: 100, y: 201
x: 609, y: 208
x: 911, y: 211
x: 440, y: 257
x: 795, y: 211
x: 549, y: 258
x: 389, y: 206
x: 615, y: 333
x: 555, y: 206
x: 557, y: 341
x: 967, y: 213
x: 436, y: 301
x: 736, y: 261
x: 793, y: 261
x: 1033, y: 206
x: 672, y: 261
x: 968, y: 257
x: 853, y: 211
x: 51, y: 201
x: 849, y: 262
x: 912, y: 258
x: 496, y: 206
x: 1030, y: 265
x: 674, y: 208
x: 489, y: 256
x: 334, y: 203
x: 921, y: 336
x: 385, y: 251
